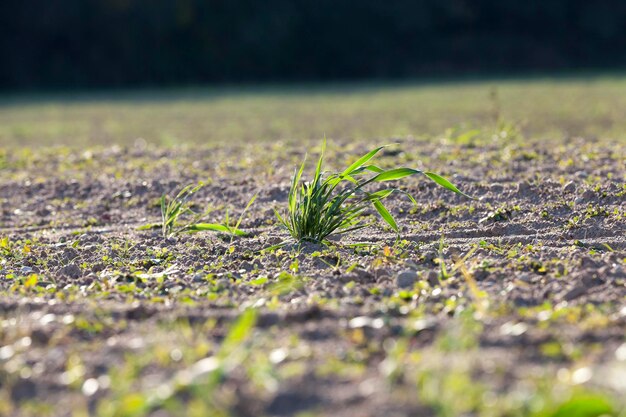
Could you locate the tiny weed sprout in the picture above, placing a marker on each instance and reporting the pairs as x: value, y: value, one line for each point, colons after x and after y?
x: 334, y: 203
x: 176, y: 208
x: 173, y: 212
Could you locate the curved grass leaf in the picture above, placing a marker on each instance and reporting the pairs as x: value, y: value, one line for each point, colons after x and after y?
x: 445, y: 183
x: 150, y: 226
x: 395, y: 174
x: 215, y: 227
x: 384, y: 213
x: 382, y: 194
x: 357, y: 164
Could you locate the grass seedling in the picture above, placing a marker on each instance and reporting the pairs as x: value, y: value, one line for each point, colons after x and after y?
x: 226, y: 226
x: 174, y: 210
x: 335, y: 202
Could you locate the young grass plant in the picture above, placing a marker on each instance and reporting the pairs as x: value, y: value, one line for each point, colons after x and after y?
x: 174, y: 211
x: 335, y: 203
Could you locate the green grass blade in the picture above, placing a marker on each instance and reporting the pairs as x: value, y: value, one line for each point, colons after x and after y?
x: 384, y: 213
x: 215, y: 227
x: 381, y: 195
x: 164, y: 216
x: 239, y: 332
x: 395, y: 174
x: 150, y: 226
x: 357, y: 164
x: 245, y: 210
x: 294, y: 187
x: 445, y: 183
x: 274, y: 247
x: 409, y: 196
x: 370, y: 167
x: 318, y: 168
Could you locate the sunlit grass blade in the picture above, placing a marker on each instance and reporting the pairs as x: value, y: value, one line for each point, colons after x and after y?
x: 445, y: 183
x: 175, y: 216
x: 379, y: 195
x: 395, y: 174
x: 359, y: 162
x: 215, y: 227
x: 318, y: 168
x: 384, y: 213
x: 150, y: 226
x: 252, y: 200
x: 370, y: 167
x: 335, y: 203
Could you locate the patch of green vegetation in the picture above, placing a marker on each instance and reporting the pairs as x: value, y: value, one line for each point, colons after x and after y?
x: 334, y: 203
x: 196, y: 390
x: 542, y: 107
x: 452, y: 379
x: 173, y: 210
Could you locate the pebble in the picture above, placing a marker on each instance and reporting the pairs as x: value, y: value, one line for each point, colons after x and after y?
x: 433, y: 278
x: 25, y: 270
x: 574, y: 293
x: 406, y: 279
x: 430, y: 256
x: 588, y: 195
x: 570, y: 187
x: 199, y: 278
x: 523, y: 187
x: 223, y: 283
x: 71, y: 271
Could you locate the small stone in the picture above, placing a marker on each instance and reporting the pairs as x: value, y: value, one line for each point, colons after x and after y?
x: 23, y: 390
x: 382, y: 273
x: 480, y: 274
x: 570, y: 187
x: 430, y: 256
x: 69, y: 254
x: 362, y: 274
x: 406, y: 279
x: 433, y: 278
x: 588, y: 262
x: 41, y: 336
x: 90, y: 387
x: 523, y: 187
x: 71, y: 271
x: 223, y: 283
x: 588, y: 195
x: 199, y: 278
x: 591, y: 281
x: 574, y: 293
x: 25, y: 270
x: 247, y: 266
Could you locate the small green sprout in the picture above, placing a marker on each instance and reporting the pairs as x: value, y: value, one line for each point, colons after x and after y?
x: 334, y: 203
x: 174, y: 210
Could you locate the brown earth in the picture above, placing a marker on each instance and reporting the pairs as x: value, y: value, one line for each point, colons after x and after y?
x: 534, y: 293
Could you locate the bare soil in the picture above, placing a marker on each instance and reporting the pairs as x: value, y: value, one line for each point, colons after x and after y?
x: 522, y: 287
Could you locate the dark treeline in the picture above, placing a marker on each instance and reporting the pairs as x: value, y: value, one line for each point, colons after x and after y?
x: 101, y: 43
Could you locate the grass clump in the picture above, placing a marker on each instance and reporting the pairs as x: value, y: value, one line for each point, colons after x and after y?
x: 334, y: 203
x: 175, y: 210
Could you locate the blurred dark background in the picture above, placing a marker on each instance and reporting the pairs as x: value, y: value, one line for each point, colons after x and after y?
x: 54, y: 44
